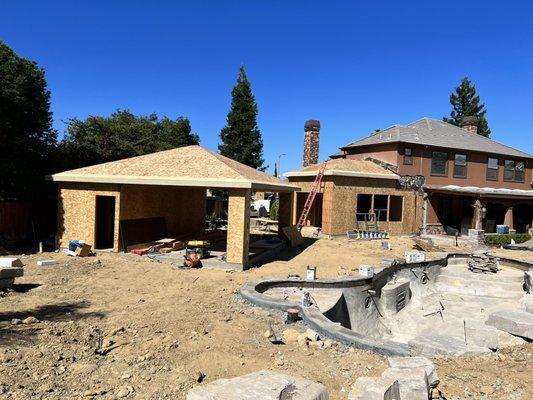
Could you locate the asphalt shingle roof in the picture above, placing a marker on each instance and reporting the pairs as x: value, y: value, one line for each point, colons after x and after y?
x: 432, y: 132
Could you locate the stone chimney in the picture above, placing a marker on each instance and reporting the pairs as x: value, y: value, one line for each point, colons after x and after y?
x: 311, y: 141
x: 469, y: 124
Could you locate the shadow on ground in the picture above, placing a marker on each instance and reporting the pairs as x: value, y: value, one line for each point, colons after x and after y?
x: 20, y: 334
x: 289, y: 253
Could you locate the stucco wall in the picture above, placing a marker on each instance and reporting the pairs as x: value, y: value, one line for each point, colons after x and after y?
x: 77, y: 211
x: 386, y: 152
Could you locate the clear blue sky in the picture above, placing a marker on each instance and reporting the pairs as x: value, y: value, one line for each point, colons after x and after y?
x: 355, y: 65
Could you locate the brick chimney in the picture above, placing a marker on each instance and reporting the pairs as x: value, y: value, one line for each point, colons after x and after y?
x: 469, y: 124
x: 311, y: 141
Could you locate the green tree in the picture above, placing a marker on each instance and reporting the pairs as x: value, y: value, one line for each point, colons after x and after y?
x: 27, y: 139
x: 241, y: 138
x: 466, y: 102
x: 101, y: 139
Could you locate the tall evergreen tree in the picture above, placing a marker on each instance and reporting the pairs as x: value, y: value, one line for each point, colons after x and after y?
x: 466, y: 103
x: 27, y: 139
x: 241, y: 138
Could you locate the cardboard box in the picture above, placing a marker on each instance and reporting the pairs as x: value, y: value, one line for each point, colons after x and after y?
x: 83, y: 250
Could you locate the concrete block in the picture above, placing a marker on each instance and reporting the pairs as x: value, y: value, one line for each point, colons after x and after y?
x: 416, y: 362
x: 43, y: 263
x: 374, y: 388
x: 10, y: 262
x: 265, y: 385
x: 6, y: 283
x: 516, y: 322
x: 11, y: 272
x: 480, y: 334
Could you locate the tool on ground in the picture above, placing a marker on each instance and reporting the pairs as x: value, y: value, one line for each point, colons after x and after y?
x: 439, y: 311
x: 311, y: 197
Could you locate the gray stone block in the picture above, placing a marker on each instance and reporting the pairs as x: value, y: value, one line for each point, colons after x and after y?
x: 416, y: 362
x: 374, y: 388
x: 395, y: 296
x: 516, y: 322
x: 11, y: 272
x: 10, y: 262
x: 265, y: 385
x: 6, y: 283
x: 412, y: 382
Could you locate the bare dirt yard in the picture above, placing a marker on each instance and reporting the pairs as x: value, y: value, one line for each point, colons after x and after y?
x: 164, y: 329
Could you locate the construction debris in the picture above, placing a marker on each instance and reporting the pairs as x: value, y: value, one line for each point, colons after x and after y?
x: 426, y: 244
x: 483, y: 263
x: 10, y: 268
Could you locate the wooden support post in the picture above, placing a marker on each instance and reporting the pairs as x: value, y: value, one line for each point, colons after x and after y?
x: 508, y: 220
x: 286, y: 211
x: 238, y: 226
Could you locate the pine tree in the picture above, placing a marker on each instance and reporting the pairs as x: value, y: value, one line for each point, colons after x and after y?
x: 466, y: 102
x: 241, y: 138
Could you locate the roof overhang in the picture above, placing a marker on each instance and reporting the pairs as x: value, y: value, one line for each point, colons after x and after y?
x: 172, y: 181
x: 336, y: 172
x: 482, y: 192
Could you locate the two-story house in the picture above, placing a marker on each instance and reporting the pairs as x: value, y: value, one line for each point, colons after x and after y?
x: 462, y: 171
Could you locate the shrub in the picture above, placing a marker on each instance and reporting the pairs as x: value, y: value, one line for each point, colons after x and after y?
x: 501, y: 239
x: 274, y: 210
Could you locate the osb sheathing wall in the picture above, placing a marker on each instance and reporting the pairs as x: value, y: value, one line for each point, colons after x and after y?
x: 238, y: 226
x: 339, y: 203
x: 77, y: 211
x: 183, y: 208
x: 285, y: 215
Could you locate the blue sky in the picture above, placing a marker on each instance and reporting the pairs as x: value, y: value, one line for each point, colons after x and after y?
x: 356, y: 65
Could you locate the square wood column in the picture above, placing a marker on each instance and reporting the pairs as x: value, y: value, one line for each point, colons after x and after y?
x: 286, y: 211
x: 238, y: 226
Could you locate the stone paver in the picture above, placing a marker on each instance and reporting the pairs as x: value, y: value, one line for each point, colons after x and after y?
x: 264, y: 385
x: 516, y: 322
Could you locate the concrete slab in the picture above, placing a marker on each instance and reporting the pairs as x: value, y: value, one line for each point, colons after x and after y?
x: 516, y: 322
x: 432, y: 344
x: 265, y: 385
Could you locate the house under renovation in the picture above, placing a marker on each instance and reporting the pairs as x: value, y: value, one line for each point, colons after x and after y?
x: 141, y: 199
x: 427, y: 176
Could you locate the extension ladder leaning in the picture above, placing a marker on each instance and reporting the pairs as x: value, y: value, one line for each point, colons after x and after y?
x: 311, y: 196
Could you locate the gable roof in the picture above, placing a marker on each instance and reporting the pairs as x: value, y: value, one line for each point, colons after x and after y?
x: 184, y: 166
x: 346, y: 167
x: 432, y: 132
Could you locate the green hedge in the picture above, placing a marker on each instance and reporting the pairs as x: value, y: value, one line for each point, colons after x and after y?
x: 502, y: 239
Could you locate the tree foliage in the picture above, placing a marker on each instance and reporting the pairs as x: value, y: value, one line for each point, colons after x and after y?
x: 241, y: 138
x: 466, y: 102
x: 100, y: 139
x: 27, y: 140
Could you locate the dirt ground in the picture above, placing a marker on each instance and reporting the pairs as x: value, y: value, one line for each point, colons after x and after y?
x: 169, y: 325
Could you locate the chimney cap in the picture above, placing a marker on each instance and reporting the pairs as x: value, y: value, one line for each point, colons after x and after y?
x: 312, y: 125
x: 469, y: 120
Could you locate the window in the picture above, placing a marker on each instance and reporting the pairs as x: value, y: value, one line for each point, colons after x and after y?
x: 396, y: 208
x: 364, y: 205
x: 514, y: 171
x: 459, y: 166
x: 386, y: 208
x: 439, y: 163
x: 492, y: 169
x: 381, y: 206
x: 408, y: 156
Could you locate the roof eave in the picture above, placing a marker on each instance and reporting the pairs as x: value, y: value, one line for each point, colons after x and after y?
x: 334, y: 172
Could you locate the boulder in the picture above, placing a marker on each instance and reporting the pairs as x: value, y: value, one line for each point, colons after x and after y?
x: 290, y: 336
x: 264, y: 385
x: 312, y: 335
x: 374, y: 388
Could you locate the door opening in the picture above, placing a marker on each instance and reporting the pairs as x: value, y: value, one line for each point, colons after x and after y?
x: 105, y: 222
